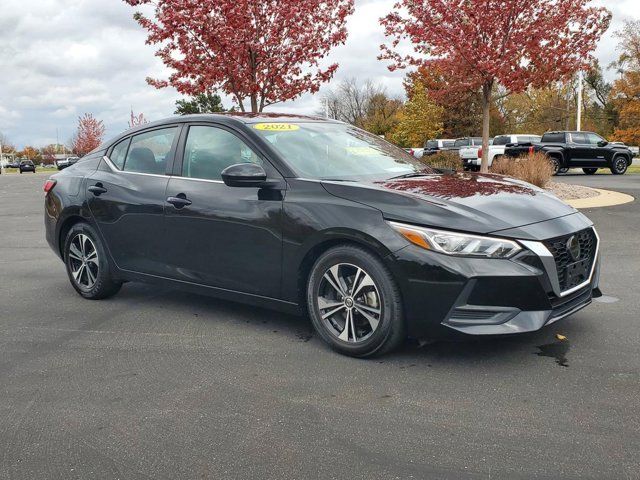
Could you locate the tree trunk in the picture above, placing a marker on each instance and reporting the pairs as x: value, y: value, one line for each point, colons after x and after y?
x: 254, y: 103
x: 486, y: 120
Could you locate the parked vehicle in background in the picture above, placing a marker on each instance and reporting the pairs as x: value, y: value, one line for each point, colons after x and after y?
x: 27, y: 166
x: 67, y: 162
x: 416, y: 152
x: 586, y: 150
x: 316, y: 216
x: 13, y: 164
x: 434, y: 146
x: 472, y: 156
x: 463, y: 142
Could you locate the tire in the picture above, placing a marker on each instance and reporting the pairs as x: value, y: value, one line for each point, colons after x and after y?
x: 555, y: 163
x: 589, y: 171
x: 381, y: 328
x: 619, y: 165
x: 87, y: 264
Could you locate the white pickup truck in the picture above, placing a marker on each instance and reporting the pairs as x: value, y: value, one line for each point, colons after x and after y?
x: 472, y: 156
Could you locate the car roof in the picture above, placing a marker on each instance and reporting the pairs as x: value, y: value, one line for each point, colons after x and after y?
x: 228, y: 118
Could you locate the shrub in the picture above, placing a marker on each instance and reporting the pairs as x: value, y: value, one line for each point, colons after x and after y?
x: 533, y: 168
x: 444, y: 160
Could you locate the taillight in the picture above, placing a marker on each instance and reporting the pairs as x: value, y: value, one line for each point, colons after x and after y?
x: 480, y: 152
x: 531, y: 150
x: 48, y: 185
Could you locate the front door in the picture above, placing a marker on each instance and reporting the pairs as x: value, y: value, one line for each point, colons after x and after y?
x: 126, y: 196
x: 579, y: 149
x: 220, y: 236
x: 600, y: 154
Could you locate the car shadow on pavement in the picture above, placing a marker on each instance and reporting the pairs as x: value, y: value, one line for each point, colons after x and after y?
x: 543, y: 343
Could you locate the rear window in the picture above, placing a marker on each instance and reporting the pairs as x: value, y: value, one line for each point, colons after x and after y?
x: 477, y: 141
x: 461, y: 142
x: 553, y: 138
x: 502, y: 140
x: 448, y: 144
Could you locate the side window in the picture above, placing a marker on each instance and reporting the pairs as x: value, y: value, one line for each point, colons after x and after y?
x: 594, y: 139
x: 209, y: 150
x: 119, y: 153
x: 553, y: 138
x: 149, y: 151
x: 579, y: 138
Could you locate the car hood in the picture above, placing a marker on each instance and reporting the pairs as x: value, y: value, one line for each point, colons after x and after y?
x: 478, y: 203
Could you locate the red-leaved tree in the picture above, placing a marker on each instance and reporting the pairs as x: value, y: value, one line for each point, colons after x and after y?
x: 89, y: 134
x: 490, y: 44
x: 262, y: 51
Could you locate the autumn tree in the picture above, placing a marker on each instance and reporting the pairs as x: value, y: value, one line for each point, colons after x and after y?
x: 261, y: 52
x: 495, y: 45
x: 89, y: 134
x: 200, y: 103
x: 626, y: 90
x: 137, y: 119
x: 420, y: 119
x: 29, y: 153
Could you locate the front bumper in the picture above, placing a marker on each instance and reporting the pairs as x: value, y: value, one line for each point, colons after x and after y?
x: 476, y: 296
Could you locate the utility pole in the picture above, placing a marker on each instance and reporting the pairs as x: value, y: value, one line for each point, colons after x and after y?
x: 579, y: 119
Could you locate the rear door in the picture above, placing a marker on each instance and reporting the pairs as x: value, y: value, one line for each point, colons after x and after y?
x: 224, y: 237
x: 126, y: 196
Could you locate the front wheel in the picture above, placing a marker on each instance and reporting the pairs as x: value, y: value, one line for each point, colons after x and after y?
x: 589, y: 171
x: 354, y: 302
x: 619, y: 166
x: 87, y: 265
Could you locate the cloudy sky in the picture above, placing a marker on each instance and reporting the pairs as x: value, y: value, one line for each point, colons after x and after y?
x: 61, y: 58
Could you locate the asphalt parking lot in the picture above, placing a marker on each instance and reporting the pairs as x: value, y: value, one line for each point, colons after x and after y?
x: 162, y: 384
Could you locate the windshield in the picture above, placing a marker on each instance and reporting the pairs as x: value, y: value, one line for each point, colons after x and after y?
x: 334, y: 151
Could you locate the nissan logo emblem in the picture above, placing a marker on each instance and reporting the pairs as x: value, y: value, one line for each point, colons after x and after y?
x: 573, y: 246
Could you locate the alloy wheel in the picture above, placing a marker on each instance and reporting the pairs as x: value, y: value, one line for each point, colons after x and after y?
x: 83, y: 261
x: 620, y: 165
x: 349, y: 303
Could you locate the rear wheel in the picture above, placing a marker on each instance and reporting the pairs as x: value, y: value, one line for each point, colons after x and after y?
x: 589, y: 171
x: 563, y: 170
x: 555, y: 164
x: 87, y: 264
x: 354, y: 303
x: 619, y: 165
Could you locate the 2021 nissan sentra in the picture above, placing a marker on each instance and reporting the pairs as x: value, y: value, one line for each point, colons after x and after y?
x: 310, y: 215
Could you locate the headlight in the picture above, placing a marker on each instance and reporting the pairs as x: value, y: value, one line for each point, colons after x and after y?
x: 454, y: 243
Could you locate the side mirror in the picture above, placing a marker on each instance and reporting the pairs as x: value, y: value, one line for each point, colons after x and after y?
x: 603, y: 143
x: 244, y: 175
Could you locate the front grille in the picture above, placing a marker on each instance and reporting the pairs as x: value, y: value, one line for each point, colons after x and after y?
x: 574, y: 271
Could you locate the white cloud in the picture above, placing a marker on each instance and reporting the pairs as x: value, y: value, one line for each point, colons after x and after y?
x: 61, y: 58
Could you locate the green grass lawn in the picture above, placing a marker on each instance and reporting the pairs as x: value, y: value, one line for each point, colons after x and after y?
x: 12, y: 171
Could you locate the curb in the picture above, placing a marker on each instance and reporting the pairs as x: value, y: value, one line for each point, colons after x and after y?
x: 606, y: 198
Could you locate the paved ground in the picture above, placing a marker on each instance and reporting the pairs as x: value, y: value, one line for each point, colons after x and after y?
x: 160, y: 384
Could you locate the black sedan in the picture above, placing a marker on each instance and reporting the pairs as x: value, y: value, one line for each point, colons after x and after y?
x: 319, y: 217
x: 27, y: 166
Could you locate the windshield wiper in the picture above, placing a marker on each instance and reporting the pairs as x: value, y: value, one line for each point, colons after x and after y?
x: 412, y: 175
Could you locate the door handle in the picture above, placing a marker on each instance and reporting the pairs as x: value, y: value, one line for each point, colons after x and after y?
x: 97, y: 189
x: 179, y: 201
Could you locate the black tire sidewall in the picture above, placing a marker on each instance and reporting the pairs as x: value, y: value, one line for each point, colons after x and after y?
x: 555, y: 163
x: 391, y: 322
x: 104, y: 284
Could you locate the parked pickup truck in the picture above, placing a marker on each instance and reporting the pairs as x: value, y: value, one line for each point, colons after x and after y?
x: 585, y: 150
x: 472, y: 156
x: 433, y: 146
